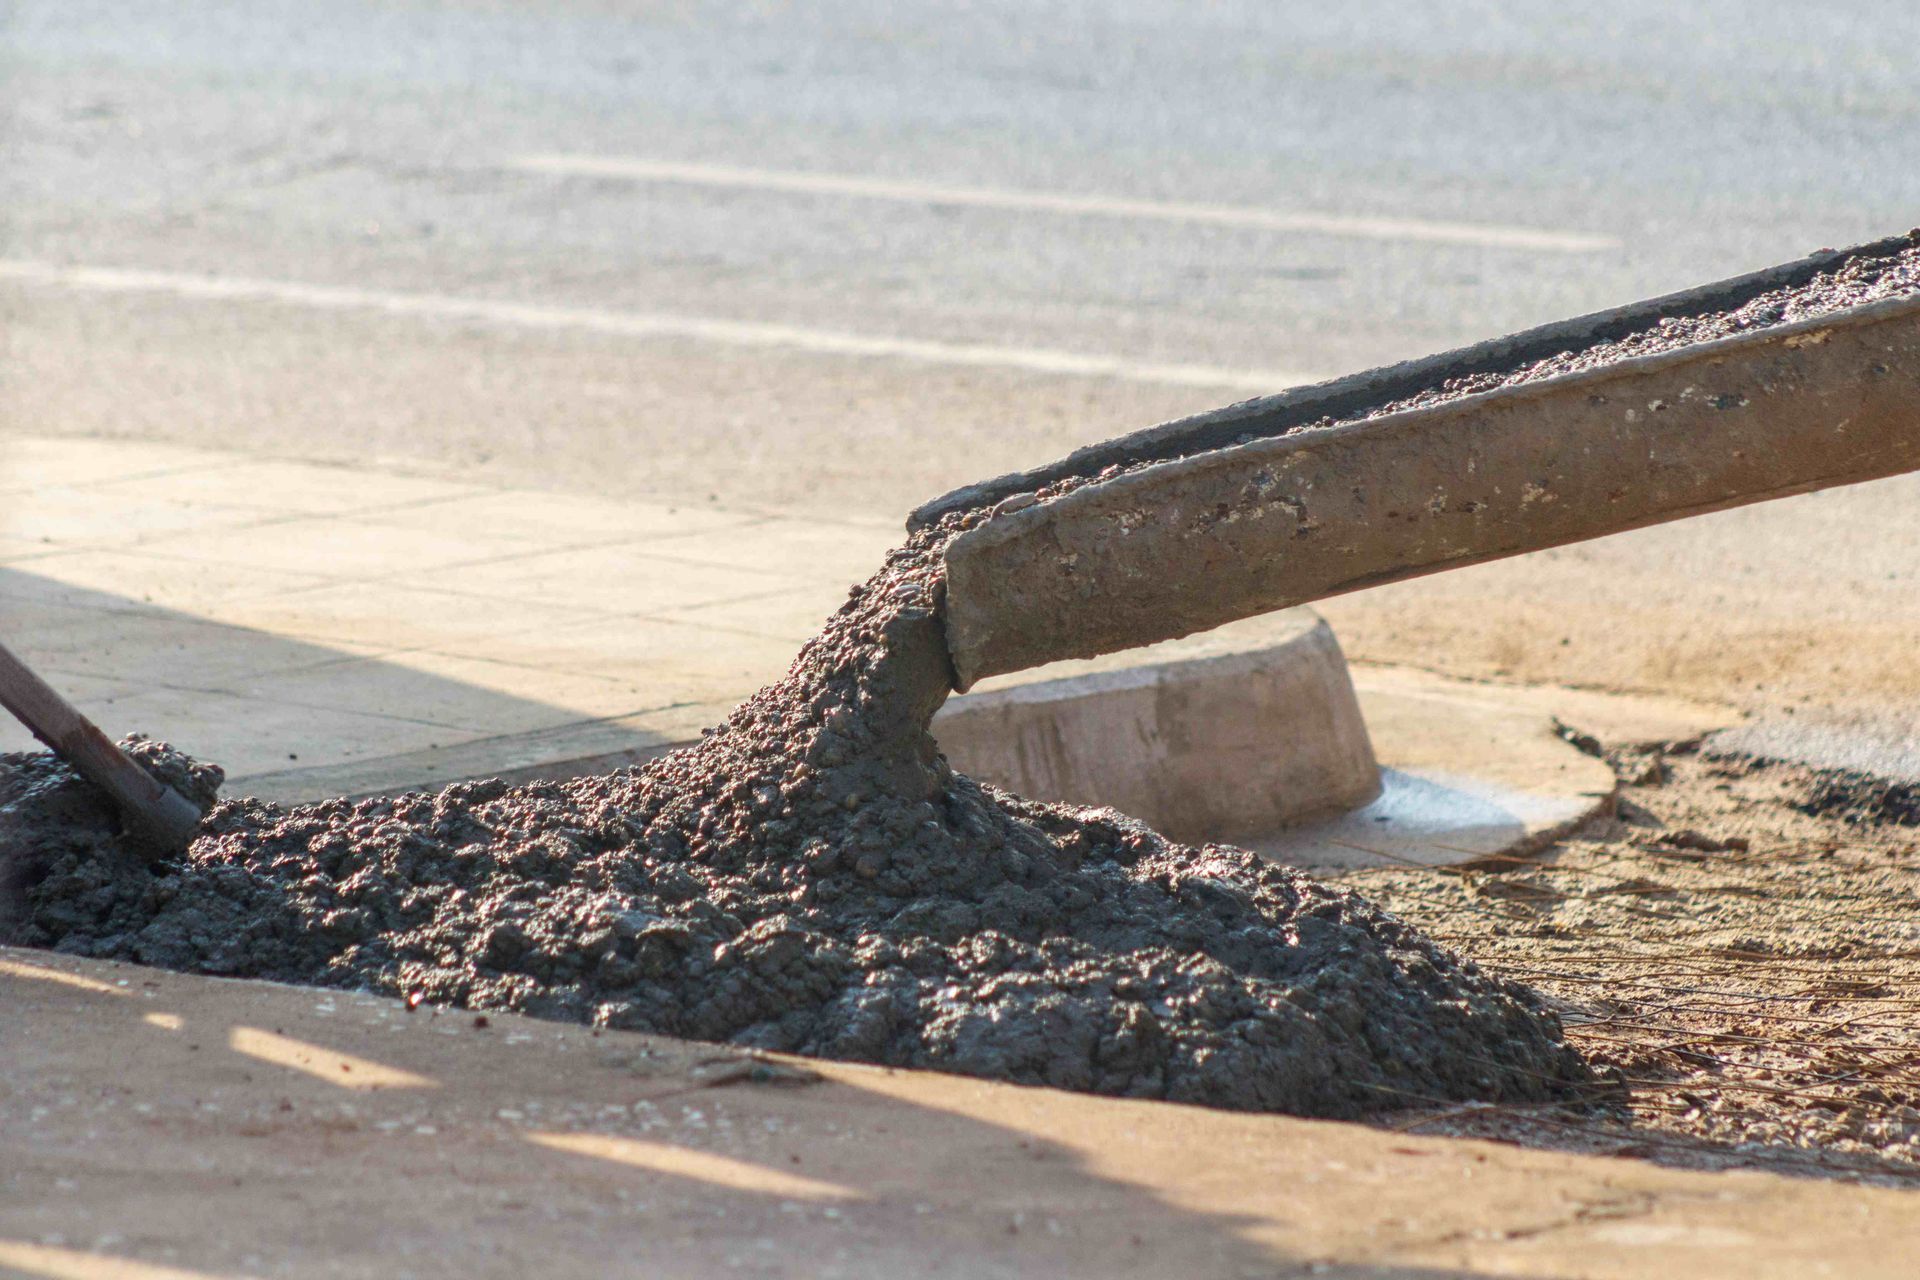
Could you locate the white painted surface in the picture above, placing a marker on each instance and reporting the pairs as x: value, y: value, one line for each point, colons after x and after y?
x: 862, y: 187
x: 641, y: 324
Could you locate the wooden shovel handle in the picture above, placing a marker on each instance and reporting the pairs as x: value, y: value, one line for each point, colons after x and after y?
x: 165, y: 817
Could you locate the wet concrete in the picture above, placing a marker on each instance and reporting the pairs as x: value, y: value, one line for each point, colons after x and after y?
x: 1800, y: 378
x: 1824, y: 284
x: 813, y: 877
x: 1859, y: 280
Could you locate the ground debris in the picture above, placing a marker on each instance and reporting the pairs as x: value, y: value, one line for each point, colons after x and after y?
x: 1763, y: 1016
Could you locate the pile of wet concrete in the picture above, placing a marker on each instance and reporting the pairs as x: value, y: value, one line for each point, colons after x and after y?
x: 814, y: 877
x: 811, y: 877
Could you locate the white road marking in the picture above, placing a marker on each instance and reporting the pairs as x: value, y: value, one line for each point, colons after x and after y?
x: 647, y: 324
x: 1419, y: 230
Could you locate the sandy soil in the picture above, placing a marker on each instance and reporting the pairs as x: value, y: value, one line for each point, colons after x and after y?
x: 159, y: 1126
x: 1745, y: 970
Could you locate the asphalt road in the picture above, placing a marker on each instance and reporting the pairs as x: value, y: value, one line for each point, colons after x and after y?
x: 845, y: 256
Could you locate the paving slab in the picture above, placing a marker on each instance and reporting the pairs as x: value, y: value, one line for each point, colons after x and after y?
x: 29, y: 463
x: 158, y: 1126
x: 282, y: 488
x: 320, y: 629
x: 113, y: 579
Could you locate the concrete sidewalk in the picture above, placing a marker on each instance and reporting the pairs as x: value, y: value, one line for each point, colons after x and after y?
x: 321, y: 631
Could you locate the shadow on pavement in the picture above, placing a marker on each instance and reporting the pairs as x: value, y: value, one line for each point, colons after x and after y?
x: 291, y: 718
x: 238, y: 1128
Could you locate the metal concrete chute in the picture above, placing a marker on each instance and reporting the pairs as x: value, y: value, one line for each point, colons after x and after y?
x: 1257, y: 507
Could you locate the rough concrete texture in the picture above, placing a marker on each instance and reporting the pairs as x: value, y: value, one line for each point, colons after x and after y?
x: 51, y: 816
x: 1883, y: 745
x: 813, y: 877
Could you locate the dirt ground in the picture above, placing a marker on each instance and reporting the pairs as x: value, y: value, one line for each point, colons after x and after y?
x: 1738, y: 947
x: 164, y: 1126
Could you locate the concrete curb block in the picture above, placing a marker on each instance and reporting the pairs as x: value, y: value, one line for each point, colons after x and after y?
x: 1207, y: 746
